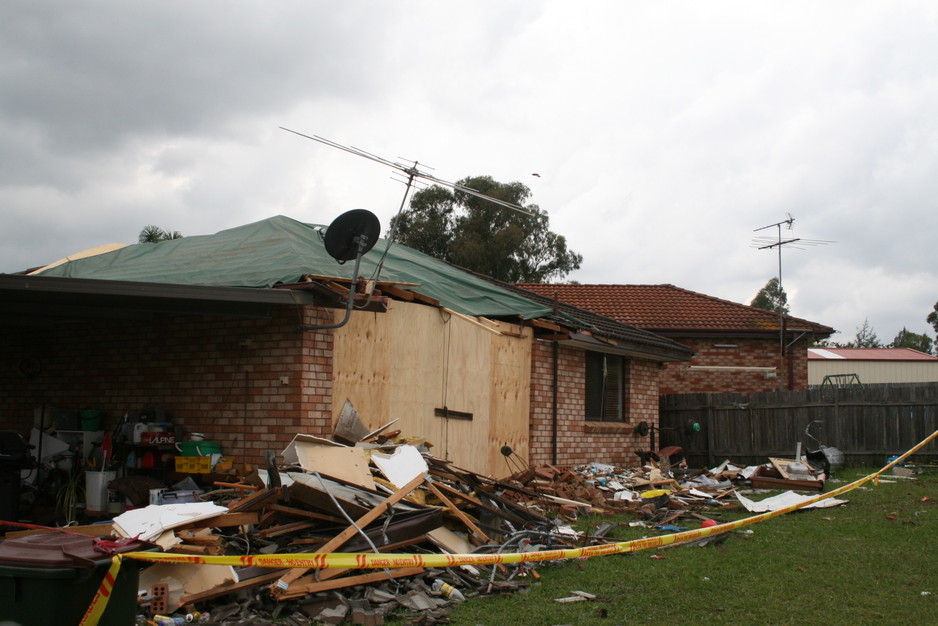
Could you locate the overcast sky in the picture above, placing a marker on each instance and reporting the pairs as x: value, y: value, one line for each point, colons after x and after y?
x: 664, y: 133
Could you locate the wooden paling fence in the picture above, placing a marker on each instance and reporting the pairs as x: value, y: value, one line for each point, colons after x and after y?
x: 868, y: 424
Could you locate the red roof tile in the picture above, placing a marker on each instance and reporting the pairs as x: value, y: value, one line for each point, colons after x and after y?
x: 668, y: 309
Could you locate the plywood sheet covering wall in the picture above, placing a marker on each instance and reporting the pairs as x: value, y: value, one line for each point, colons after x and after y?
x: 511, y: 395
x: 413, y: 359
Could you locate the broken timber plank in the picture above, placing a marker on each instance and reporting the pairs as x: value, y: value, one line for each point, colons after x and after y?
x: 545, y: 324
x: 199, y: 539
x: 420, y: 297
x: 284, y: 529
x: 514, y: 519
x: 329, y: 574
x: 473, y: 321
x: 462, y: 516
x: 289, y: 510
x: 781, y: 466
x: 255, y: 501
x: 400, y: 294
x: 283, y: 583
x: 222, y: 521
x: 184, y: 548
x: 238, y: 486
x: 351, y: 581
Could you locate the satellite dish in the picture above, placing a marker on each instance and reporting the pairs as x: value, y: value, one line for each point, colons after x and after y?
x: 352, y: 234
x: 348, y: 237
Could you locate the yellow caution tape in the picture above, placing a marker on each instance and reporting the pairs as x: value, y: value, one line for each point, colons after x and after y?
x: 99, y: 603
x: 360, y: 560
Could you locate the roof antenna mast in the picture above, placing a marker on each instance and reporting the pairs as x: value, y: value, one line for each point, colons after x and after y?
x: 413, y: 174
x: 765, y: 243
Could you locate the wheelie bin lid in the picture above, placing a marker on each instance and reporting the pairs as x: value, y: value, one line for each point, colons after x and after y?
x: 61, y: 550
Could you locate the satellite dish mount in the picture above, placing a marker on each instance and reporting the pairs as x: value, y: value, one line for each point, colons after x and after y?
x: 349, y: 236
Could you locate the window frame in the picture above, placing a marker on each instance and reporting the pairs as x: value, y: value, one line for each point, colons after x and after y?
x: 596, y: 388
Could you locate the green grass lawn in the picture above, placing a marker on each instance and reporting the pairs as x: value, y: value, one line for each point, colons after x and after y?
x: 874, y: 560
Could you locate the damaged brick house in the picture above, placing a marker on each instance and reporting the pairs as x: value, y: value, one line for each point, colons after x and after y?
x: 737, y: 348
x: 239, y: 335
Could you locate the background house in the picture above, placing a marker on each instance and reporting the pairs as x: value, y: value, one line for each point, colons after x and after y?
x: 236, y: 335
x: 737, y: 348
x: 872, y: 365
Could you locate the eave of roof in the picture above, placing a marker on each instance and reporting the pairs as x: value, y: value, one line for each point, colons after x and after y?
x: 33, y: 299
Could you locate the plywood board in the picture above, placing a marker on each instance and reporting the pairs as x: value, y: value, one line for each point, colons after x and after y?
x: 453, y: 543
x: 289, y: 453
x: 361, y: 366
x: 347, y: 463
x: 510, y: 403
x: 413, y: 359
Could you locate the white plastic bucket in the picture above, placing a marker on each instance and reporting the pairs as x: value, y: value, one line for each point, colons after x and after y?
x: 96, y: 489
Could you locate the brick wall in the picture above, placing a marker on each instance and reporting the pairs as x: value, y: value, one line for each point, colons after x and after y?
x: 681, y: 378
x: 220, y: 376
x: 579, y: 441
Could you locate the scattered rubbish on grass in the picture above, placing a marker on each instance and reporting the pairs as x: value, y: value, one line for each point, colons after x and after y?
x: 381, y: 492
x: 783, y: 500
x: 578, y: 596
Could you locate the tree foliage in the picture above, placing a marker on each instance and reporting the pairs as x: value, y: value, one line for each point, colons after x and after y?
x: 484, y: 237
x: 866, y: 337
x: 155, y: 234
x: 772, y: 297
x: 907, y: 339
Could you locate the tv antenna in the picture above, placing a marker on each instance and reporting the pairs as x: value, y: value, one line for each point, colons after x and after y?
x: 767, y: 243
x: 413, y: 177
x: 411, y: 172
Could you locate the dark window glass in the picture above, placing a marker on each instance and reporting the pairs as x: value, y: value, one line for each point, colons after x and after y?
x: 606, y: 378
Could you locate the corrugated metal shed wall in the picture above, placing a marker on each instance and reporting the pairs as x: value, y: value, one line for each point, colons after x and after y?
x: 874, y: 371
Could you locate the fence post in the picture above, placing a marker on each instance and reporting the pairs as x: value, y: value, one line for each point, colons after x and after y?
x: 710, y: 460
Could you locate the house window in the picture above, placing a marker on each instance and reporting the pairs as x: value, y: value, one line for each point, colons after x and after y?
x: 606, y: 385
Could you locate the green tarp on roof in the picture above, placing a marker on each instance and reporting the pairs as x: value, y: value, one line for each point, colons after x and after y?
x: 281, y: 250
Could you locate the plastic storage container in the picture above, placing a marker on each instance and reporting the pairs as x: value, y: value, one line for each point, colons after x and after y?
x: 198, y: 448
x: 51, y: 578
x: 91, y: 419
x: 180, y: 497
x: 96, y: 489
x: 194, y: 464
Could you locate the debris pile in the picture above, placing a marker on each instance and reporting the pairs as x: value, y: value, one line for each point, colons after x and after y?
x: 379, y: 492
x: 357, y: 492
x: 396, y: 497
